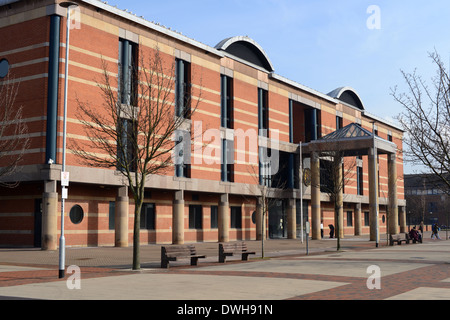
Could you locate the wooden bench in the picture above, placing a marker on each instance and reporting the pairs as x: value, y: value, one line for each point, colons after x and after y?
x: 398, y: 238
x: 172, y: 253
x: 228, y: 249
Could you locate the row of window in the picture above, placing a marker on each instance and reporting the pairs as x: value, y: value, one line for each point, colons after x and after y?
x: 128, y: 52
x: 148, y: 216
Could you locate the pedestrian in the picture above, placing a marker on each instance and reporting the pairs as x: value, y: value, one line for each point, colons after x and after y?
x: 435, y: 231
x: 321, y: 229
x: 331, y: 230
x: 421, y: 227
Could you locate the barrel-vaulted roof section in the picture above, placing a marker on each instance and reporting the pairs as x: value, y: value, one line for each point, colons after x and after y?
x: 347, y: 95
x: 246, y: 49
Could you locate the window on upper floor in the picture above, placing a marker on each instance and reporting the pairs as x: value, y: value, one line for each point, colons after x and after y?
x: 182, y: 88
x: 227, y: 161
x: 128, y: 66
x: 339, y: 122
x: 263, y: 112
x: 126, y: 145
x: 226, y: 102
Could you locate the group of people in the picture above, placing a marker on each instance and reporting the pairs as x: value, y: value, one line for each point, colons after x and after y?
x: 414, y: 234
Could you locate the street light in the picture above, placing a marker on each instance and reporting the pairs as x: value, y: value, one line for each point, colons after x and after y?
x: 62, y: 240
x: 375, y: 177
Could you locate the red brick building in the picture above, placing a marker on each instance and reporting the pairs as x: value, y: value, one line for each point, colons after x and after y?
x: 33, y: 38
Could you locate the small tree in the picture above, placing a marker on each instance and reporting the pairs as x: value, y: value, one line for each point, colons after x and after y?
x: 426, y: 120
x: 13, y: 131
x: 137, y: 137
x: 335, y: 174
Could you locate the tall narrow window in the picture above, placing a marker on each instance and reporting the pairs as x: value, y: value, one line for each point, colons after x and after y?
x: 126, y: 145
x: 148, y: 216
x: 360, y: 181
x: 182, y: 88
x: 227, y: 161
x: 349, y: 218
x: 128, y: 58
x: 195, y: 217
x: 182, y: 153
x: 265, y: 170
x: 263, y: 112
x: 236, y: 217
x: 366, y: 218
x: 339, y: 122
x: 226, y: 114
x: 214, y: 217
x: 112, y: 215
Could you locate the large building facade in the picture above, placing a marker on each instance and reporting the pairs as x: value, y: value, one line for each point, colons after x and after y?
x: 214, y: 200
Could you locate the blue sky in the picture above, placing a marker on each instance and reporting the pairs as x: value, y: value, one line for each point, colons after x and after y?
x: 321, y: 44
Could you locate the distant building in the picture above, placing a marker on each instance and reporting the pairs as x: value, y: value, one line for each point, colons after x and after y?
x: 427, y: 200
x: 212, y: 201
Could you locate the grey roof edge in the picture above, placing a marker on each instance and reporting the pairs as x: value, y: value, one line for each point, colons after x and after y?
x: 303, y: 87
x: 148, y: 24
x: 384, y: 121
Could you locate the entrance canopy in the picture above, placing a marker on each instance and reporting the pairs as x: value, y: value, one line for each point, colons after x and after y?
x: 352, y: 140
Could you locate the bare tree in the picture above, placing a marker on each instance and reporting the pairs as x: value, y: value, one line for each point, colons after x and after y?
x: 134, y: 131
x: 269, y: 186
x: 426, y: 120
x: 13, y: 131
x: 336, y: 173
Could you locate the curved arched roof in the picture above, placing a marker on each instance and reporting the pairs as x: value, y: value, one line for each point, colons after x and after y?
x: 247, y: 49
x: 347, y: 95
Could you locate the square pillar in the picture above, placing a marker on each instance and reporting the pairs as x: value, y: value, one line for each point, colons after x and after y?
x: 392, y: 188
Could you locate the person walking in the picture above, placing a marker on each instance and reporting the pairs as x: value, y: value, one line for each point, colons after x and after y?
x: 435, y: 231
x: 321, y: 229
x: 331, y: 230
x: 421, y: 227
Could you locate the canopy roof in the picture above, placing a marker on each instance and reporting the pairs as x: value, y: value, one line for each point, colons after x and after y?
x: 353, y: 140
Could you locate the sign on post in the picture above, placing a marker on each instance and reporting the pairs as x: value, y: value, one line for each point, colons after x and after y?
x: 64, y: 179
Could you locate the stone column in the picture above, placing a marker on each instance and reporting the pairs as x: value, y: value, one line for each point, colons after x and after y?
x: 121, y: 218
x: 291, y: 219
x: 403, y: 226
x: 358, y: 225
x: 392, y: 190
x: 50, y: 217
x: 315, y: 196
x: 260, y: 227
x: 178, y: 218
x: 224, y: 219
x: 373, y: 195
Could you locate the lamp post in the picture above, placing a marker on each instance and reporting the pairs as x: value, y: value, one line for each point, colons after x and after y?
x: 377, y: 236
x: 62, y: 240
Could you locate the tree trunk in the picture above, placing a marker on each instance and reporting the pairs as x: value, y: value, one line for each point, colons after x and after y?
x: 136, y: 236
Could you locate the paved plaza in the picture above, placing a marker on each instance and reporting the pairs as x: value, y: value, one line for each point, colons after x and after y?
x: 360, y: 271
